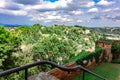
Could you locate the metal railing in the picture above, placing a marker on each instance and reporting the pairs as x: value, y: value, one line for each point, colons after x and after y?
x: 26, y: 67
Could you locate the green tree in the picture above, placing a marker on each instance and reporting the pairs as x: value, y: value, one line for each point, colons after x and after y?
x: 51, y: 48
x: 29, y: 34
x: 8, y: 43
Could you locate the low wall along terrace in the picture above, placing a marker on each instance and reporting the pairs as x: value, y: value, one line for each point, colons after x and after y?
x: 62, y: 75
x: 106, y: 46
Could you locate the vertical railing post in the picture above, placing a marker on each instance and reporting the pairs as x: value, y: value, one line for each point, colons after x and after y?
x: 26, y: 74
x: 83, y: 77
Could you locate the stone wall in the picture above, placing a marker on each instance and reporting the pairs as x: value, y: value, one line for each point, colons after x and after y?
x: 62, y: 75
x: 106, y: 46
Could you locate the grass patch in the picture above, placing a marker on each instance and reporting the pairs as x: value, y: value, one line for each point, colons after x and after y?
x: 108, y: 70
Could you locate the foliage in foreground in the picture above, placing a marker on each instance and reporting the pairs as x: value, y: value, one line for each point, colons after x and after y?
x: 8, y: 43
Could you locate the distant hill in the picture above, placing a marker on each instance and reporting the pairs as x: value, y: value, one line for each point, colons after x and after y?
x: 12, y: 25
x: 107, y: 30
x: 112, y: 33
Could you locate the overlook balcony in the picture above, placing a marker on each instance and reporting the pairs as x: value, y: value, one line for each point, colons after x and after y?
x: 66, y: 69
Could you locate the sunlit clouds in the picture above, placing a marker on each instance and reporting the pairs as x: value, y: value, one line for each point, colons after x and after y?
x: 91, y: 13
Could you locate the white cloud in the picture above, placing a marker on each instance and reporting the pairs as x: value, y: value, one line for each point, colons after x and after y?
x: 9, y: 3
x: 49, y: 5
x: 116, y: 9
x: 12, y: 12
x: 6, y: 7
x: 79, y: 21
x: 48, y: 13
x: 2, y: 3
x: 90, y: 4
x: 105, y: 3
x: 51, y: 19
x: 64, y: 19
x: 61, y: 11
x: 76, y: 12
x: 50, y: 16
x: 92, y: 10
x: 107, y: 10
x: 110, y: 10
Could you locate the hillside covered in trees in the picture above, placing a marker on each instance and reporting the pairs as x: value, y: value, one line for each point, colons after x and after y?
x: 58, y: 43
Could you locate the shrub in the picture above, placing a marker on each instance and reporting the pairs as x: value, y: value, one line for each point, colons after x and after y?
x: 115, y: 47
x: 87, y: 56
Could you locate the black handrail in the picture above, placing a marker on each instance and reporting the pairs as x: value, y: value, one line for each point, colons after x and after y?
x: 26, y: 67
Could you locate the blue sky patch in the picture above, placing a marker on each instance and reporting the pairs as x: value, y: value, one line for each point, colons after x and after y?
x: 51, y: 0
x: 96, y: 1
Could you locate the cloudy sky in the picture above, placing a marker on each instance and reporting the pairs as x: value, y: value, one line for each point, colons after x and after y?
x: 91, y: 13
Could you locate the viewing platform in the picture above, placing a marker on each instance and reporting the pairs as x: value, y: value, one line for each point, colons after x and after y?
x: 63, y: 68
